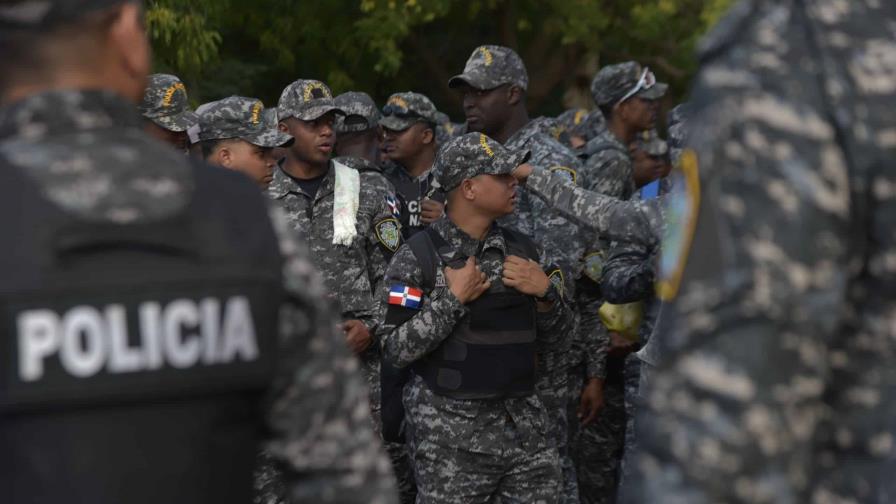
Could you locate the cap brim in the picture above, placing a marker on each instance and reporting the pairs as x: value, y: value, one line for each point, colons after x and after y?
x: 177, y: 122
x: 656, y: 92
x: 270, y: 138
x: 311, y: 113
x: 467, y: 80
x: 395, y: 123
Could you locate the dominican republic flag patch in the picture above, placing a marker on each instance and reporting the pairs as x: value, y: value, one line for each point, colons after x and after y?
x: 402, y: 295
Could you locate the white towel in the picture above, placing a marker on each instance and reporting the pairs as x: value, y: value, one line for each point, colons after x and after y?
x: 346, y: 198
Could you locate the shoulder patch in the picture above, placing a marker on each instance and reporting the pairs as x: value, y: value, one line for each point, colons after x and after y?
x: 682, y: 206
x: 566, y: 172
x: 405, y: 296
x: 557, y: 280
x: 594, y: 266
x: 388, y: 232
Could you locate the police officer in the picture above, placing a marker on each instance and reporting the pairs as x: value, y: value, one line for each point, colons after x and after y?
x: 142, y: 296
x: 409, y: 138
x: 167, y: 110
x: 494, y: 83
x: 234, y: 133
x: 468, y: 304
x: 357, y: 131
x: 780, y: 331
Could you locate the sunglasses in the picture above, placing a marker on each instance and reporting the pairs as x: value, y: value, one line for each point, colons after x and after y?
x: 647, y: 81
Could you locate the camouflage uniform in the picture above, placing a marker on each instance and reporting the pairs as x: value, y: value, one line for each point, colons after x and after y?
x: 165, y: 103
x: 559, y: 238
x: 402, y: 111
x: 124, y: 177
x: 470, y: 450
x: 352, y: 273
x: 776, y: 380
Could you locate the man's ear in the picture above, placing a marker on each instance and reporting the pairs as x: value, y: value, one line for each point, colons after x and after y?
x: 223, y: 156
x: 428, y: 136
x: 514, y: 95
x: 282, y: 127
x: 468, y: 189
x: 127, y: 37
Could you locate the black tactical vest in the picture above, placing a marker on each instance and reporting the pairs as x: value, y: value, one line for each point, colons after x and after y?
x: 133, y: 357
x: 491, y: 352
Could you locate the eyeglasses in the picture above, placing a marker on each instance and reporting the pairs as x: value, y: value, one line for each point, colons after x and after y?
x: 647, y: 81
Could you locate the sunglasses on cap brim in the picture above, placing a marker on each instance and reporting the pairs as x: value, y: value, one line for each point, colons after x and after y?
x: 647, y: 81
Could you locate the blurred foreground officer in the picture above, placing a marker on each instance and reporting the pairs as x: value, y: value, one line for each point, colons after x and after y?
x: 776, y: 380
x: 167, y: 110
x: 468, y: 305
x: 142, y: 296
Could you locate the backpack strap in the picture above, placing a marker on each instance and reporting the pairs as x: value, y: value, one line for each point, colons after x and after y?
x: 520, y: 244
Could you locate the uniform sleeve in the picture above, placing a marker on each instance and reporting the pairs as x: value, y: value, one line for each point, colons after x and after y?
x: 555, y: 325
x: 409, y: 333
x: 322, y: 447
x: 633, y: 221
x: 383, y: 239
x: 732, y: 412
x: 591, y: 333
x: 628, y: 274
x: 609, y: 174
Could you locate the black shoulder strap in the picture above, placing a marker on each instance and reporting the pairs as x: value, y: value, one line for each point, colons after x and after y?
x: 520, y: 244
x: 423, y: 245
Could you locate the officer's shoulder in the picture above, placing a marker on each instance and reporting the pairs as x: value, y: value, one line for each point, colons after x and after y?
x: 229, y: 193
x: 405, y: 266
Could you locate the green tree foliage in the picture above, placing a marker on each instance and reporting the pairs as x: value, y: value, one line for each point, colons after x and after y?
x: 223, y: 47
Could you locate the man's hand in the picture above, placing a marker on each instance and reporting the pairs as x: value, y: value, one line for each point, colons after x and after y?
x: 522, y: 172
x: 431, y: 211
x: 592, y: 401
x: 357, y: 335
x: 526, y: 276
x: 467, y: 283
x: 620, y: 346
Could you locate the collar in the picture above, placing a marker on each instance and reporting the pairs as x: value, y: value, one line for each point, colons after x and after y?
x: 520, y: 139
x: 58, y: 112
x: 463, y: 244
x: 283, y: 184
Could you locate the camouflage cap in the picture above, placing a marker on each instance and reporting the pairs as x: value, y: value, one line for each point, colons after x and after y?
x: 582, y: 122
x: 361, y: 113
x: 240, y: 117
x: 307, y: 100
x: 613, y: 83
x: 650, y: 142
x: 165, y: 103
x: 402, y: 110
x: 42, y: 14
x: 491, y: 66
x: 474, y: 154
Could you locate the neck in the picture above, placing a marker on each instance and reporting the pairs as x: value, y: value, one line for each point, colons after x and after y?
x: 622, y: 131
x: 421, y: 163
x: 519, y: 118
x: 469, y: 221
x: 80, y: 81
x: 299, y: 168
